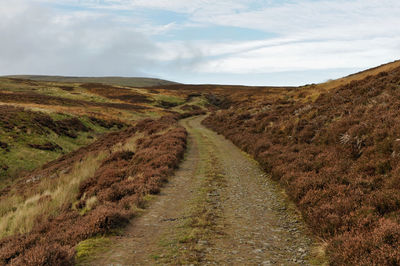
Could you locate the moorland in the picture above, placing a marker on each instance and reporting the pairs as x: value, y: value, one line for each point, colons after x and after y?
x: 80, y: 158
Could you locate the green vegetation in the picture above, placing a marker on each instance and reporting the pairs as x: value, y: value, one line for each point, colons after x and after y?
x: 19, y: 214
x: 90, y: 247
x: 167, y: 100
x: 30, y: 143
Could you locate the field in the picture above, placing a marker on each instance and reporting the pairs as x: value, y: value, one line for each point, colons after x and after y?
x: 78, y: 160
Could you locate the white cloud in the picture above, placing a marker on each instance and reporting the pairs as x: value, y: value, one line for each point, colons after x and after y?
x: 313, y: 35
x: 315, y: 55
x: 39, y: 40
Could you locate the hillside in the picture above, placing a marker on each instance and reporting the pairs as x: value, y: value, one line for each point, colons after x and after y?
x: 80, y: 160
x: 121, y: 81
x: 335, y: 150
x: 360, y: 75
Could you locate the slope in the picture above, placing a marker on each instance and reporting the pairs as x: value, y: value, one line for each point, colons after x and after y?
x: 78, y: 159
x: 336, y: 153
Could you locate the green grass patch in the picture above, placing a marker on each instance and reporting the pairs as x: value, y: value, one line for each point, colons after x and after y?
x: 162, y: 100
x: 88, y: 248
x: 199, y: 101
x: 20, y: 157
x: 53, y: 89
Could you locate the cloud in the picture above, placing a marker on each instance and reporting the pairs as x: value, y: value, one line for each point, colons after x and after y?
x: 298, y: 56
x: 36, y: 39
x: 312, y: 35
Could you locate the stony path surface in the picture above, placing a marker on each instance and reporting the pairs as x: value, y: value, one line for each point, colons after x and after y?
x: 253, y: 222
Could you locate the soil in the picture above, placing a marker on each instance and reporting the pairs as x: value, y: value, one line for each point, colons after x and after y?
x: 249, y: 220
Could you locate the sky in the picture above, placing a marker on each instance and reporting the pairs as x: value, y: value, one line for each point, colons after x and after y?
x: 249, y: 42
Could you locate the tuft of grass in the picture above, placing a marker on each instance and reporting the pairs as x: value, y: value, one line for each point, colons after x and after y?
x: 90, y: 204
x: 319, y: 254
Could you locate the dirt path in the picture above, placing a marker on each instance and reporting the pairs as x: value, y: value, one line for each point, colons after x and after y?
x: 220, y: 208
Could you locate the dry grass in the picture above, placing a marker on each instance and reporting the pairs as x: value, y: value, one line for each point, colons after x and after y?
x: 19, y: 215
x: 319, y: 254
x: 358, y: 76
x: 312, y: 92
x: 104, y: 201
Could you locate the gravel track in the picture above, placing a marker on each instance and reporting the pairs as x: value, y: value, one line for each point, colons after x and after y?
x: 254, y: 222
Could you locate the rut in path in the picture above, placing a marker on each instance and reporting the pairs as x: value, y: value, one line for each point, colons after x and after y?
x: 250, y: 220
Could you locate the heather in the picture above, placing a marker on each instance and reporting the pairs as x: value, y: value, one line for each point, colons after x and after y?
x: 129, y: 165
x: 337, y: 156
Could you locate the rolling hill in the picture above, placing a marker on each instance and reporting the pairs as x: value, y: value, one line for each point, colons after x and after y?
x: 121, y: 81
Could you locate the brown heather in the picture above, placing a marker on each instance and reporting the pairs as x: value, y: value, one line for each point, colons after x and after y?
x: 338, y: 158
x: 105, y: 201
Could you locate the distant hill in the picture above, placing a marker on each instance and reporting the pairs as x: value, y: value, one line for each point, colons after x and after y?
x: 121, y: 81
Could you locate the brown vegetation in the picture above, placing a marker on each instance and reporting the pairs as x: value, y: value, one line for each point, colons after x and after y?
x: 106, y: 200
x: 337, y: 156
x: 46, y: 147
x: 107, y: 123
x: 116, y: 93
x: 32, y: 97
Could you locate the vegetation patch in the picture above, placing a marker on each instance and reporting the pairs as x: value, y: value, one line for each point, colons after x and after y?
x: 167, y: 101
x: 90, y: 247
x: 76, y: 206
x: 32, y: 138
x: 48, y: 146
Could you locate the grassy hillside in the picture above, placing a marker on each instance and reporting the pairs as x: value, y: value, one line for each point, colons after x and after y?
x: 335, y: 148
x: 41, y: 121
x: 80, y: 158
x: 121, y: 81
